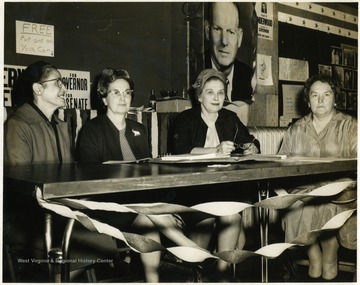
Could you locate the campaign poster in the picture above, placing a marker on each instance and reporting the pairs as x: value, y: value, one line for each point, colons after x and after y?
x: 76, y: 82
x: 264, y: 11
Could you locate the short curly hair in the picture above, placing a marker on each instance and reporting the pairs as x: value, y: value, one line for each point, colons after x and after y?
x: 324, y: 78
x: 109, y: 75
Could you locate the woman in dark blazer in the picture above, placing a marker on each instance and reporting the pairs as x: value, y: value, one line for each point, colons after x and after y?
x: 112, y: 136
x: 208, y: 128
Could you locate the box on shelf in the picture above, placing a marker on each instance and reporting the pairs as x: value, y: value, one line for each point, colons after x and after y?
x: 172, y: 105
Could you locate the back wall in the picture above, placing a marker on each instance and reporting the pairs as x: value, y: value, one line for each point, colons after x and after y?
x: 146, y: 39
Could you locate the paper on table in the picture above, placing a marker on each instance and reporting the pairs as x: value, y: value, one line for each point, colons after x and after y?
x: 218, y: 157
x: 260, y: 156
x: 125, y: 161
x: 193, y: 157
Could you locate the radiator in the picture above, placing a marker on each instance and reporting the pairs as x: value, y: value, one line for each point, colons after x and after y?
x: 270, y: 138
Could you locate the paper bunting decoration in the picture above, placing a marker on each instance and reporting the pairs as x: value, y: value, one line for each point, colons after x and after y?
x: 71, y: 208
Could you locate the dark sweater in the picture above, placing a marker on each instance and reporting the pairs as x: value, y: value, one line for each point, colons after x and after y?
x: 189, y: 130
x: 99, y: 140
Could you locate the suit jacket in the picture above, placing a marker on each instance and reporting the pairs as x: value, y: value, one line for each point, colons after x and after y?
x: 99, y: 140
x: 241, y: 88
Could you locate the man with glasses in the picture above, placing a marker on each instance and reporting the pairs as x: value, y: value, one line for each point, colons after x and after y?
x: 223, y: 31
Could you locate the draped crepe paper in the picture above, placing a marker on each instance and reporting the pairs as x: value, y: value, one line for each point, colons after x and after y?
x: 142, y: 244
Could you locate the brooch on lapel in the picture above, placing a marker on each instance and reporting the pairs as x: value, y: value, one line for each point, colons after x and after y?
x: 136, y: 133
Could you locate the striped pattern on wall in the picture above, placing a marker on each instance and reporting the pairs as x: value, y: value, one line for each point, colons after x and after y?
x: 319, y: 17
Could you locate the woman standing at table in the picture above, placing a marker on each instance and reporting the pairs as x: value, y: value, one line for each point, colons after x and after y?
x: 324, y: 132
x: 208, y: 128
x: 112, y: 136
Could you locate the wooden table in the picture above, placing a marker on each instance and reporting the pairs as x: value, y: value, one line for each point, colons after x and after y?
x: 76, y: 180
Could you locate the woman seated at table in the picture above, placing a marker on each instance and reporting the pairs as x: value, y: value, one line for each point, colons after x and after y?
x: 208, y: 128
x: 324, y: 132
x: 112, y: 136
x: 33, y: 134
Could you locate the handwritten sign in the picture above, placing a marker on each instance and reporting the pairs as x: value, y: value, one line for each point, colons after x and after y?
x: 76, y: 82
x: 34, y: 39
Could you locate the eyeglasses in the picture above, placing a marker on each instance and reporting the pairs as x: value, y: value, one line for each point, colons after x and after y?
x: 220, y: 93
x: 243, y: 146
x: 117, y: 94
x: 58, y: 81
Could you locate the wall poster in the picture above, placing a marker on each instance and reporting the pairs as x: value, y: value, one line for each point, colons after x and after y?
x: 264, y: 11
x: 76, y: 82
x: 293, y: 69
